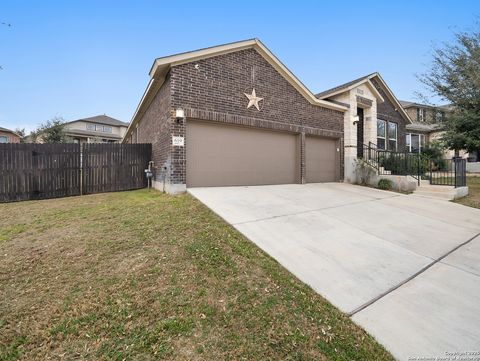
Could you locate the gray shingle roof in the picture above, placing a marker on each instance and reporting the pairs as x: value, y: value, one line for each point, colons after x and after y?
x: 407, y: 104
x: 325, y: 93
x: 102, y: 119
x: 426, y: 127
x: 7, y: 130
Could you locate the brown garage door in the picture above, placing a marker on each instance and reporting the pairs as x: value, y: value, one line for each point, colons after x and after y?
x: 321, y: 160
x: 222, y: 155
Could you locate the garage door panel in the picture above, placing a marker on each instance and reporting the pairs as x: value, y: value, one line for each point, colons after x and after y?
x: 321, y: 160
x: 221, y: 155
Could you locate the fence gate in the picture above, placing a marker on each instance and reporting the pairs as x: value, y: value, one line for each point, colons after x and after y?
x: 114, y: 167
x: 39, y: 171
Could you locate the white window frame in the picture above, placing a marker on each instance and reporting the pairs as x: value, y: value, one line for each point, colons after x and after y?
x: 384, y: 135
x: 107, y: 129
x: 409, y: 142
x: 388, y: 136
x: 439, y: 116
x: 90, y: 126
x: 421, y: 114
x: 4, y: 137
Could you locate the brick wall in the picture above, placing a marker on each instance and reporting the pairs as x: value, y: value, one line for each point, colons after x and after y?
x: 154, y: 127
x: 213, y: 89
x: 12, y: 138
x: 386, y: 111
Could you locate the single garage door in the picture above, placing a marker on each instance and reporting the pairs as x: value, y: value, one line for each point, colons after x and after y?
x: 223, y: 155
x: 321, y: 160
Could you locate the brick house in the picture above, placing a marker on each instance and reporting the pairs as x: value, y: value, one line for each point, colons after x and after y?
x: 8, y: 136
x: 235, y: 115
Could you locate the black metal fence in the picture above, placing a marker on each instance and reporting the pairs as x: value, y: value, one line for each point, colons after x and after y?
x: 41, y: 171
x: 450, y: 172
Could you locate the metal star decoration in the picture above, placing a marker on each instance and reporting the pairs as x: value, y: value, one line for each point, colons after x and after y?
x: 253, y: 99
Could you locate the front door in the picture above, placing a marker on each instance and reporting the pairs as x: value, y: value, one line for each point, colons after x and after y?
x: 360, y: 133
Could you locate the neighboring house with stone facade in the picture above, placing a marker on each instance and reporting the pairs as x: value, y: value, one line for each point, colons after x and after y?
x: 427, y: 126
x: 8, y: 136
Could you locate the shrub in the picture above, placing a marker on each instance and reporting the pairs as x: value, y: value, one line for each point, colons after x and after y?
x: 363, y: 171
x: 385, y: 184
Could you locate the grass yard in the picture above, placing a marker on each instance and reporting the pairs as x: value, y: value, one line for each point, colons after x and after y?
x: 141, y: 275
x: 473, y: 198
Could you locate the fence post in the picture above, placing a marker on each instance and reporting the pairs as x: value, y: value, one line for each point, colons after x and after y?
x: 418, y: 170
x: 430, y: 169
x: 455, y: 170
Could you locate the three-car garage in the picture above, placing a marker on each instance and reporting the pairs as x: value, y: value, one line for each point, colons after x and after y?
x: 229, y: 155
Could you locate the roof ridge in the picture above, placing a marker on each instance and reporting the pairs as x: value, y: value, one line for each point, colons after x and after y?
x: 344, y: 85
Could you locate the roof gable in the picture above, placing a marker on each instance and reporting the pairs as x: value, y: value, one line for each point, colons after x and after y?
x: 349, y: 86
x: 367, y: 79
x: 161, y: 65
x: 102, y: 119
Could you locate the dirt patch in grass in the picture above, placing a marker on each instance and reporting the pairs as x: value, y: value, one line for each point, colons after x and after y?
x: 473, y: 198
x: 143, y: 275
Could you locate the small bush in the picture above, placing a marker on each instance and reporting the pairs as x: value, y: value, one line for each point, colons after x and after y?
x: 385, y: 184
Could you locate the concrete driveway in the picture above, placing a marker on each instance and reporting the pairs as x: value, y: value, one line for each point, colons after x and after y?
x: 405, y: 268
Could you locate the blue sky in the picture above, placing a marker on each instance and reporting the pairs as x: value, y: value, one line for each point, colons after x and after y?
x: 76, y: 59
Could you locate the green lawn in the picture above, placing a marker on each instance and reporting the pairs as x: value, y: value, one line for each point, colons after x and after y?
x: 473, y: 198
x: 141, y: 275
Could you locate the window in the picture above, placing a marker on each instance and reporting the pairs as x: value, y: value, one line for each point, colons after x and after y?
x: 3, y: 139
x: 421, y: 114
x: 90, y: 126
x: 107, y: 129
x: 381, y: 133
x: 439, y: 116
x: 99, y: 128
x: 415, y: 142
x: 392, y: 136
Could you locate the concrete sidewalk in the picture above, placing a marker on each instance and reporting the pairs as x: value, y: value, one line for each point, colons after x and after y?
x: 354, y: 244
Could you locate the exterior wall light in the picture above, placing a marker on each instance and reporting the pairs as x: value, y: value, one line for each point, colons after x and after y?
x: 356, y: 119
x: 179, y: 115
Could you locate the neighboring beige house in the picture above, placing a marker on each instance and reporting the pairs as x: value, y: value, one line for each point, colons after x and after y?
x: 97, y: 129
x: 427, y: 126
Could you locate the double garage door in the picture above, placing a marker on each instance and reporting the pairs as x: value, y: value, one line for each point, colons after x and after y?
x: 224, y: 155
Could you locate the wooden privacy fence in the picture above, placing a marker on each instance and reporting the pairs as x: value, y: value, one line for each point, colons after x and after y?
x: 114, y: 167
x: 41, y: 171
